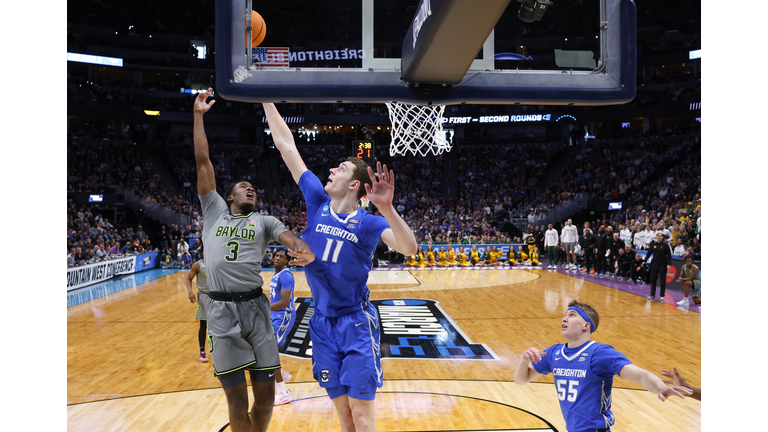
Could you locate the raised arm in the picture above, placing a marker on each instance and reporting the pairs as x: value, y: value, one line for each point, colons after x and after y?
x: 399, y: 236
x: 283, y: 139
x: 206, y: 179
x: 525, y: 373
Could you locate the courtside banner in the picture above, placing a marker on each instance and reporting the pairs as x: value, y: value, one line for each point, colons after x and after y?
x: 480, y: 247
x: 145, y: 261
x: 78, y: 277
x: 466, y: 247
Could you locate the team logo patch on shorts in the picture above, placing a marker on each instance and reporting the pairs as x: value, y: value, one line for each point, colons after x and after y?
x: 409, y: 328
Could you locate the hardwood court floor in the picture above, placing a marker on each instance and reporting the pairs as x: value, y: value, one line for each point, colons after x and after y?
x: 132, y: 358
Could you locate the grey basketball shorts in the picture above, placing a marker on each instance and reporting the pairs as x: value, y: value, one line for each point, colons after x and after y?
x: 200, y: 313
x: 696, y: 289
x: 240, y: 336
x: 568, y: 246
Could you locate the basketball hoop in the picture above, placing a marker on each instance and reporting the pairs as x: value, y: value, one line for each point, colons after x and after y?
x: 417, y: 129
x: 365, y: 201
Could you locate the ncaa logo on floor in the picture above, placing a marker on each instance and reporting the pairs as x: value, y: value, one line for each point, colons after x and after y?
x: 410, y: 328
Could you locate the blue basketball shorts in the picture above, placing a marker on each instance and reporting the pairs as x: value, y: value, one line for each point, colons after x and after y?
x: 282, y: 322
x: 345, y: 353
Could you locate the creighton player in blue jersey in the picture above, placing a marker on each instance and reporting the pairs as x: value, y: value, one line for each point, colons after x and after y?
x: 583, y: 371
x: 283, y: 315
x: 345, y: 326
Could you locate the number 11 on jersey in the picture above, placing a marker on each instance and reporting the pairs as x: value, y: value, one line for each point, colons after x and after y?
x: 337, y: 250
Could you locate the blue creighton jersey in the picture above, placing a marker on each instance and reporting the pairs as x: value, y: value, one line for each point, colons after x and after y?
x: 584, y: 380
x: 343, y: 246
x: 280, y: 281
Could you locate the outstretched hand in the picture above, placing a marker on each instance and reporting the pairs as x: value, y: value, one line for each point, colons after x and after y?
x: 677, y: 379
x: 678, y: 391
x: 381, y: 191
x: 201, y: 106
x: 302, y: 257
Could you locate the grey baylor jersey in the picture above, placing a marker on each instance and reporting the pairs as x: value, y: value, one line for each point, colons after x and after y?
x: 235, y: 245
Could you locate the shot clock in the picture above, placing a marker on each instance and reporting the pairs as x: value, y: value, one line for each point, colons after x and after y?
x: 365, y: 150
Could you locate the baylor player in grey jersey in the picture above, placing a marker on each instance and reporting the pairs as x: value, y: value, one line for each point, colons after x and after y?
x: 198, y: 270
x: 239, y: 327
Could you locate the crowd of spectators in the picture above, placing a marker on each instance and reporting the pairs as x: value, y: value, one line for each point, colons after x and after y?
x: 92, y: 237
x: 492, y: 180
x: 618, y: 167
x: 95, y: 163
x: 181, y: 246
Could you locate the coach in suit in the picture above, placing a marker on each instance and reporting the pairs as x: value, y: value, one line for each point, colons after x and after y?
x: 601, y: 245
x: 660, y: 256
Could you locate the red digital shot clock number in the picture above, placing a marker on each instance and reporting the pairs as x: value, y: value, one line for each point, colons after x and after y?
x: 365, y: 150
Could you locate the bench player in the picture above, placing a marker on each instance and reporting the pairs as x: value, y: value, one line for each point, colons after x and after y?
x: 240, y: 334
x: 344, y: 329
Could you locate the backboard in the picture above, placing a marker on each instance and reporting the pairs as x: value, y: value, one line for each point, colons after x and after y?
x: 582, y: 52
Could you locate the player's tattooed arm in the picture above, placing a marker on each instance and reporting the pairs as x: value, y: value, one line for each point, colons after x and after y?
x: 206, y: 180
x: 302, y: 253
x: 283, y: 139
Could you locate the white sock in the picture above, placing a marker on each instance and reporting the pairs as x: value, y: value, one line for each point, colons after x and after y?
x: 281, y: 386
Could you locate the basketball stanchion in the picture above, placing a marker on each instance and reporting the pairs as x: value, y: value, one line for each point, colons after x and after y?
x: 417, y: 129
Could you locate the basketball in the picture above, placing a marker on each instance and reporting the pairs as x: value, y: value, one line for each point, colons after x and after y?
x: 259, y: 29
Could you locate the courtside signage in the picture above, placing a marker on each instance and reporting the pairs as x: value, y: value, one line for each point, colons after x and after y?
x: 409, y: 329
x: 498, y: 119
x: 89, y: 274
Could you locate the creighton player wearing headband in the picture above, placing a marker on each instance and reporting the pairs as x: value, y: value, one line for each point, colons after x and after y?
x: 583, y: 371
x: 240, y: 334
x: 344, y: 329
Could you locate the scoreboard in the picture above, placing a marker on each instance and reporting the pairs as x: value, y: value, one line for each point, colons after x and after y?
x: 365, y: 150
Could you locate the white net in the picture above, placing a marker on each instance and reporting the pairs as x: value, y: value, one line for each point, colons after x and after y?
x: 417, y: 129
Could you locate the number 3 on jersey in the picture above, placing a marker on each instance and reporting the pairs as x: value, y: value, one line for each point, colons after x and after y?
x: 572, y: 391
x: 337, y: 250
x: 234, y: 249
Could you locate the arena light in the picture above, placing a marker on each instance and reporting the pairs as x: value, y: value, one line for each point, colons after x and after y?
x: 695, y: 54
x: 94, y: 59
x: 151, y: 113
